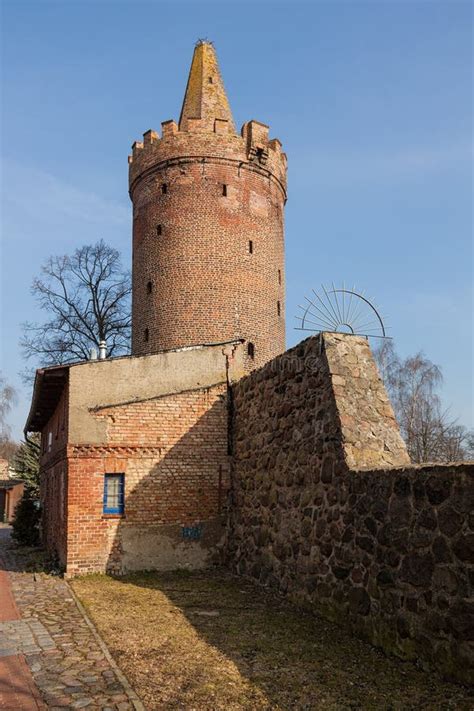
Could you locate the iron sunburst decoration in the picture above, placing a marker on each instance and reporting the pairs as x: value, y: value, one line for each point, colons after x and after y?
x: 341, y: 311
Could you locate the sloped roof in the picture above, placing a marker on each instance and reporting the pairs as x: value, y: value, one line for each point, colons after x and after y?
x: 49, y: 384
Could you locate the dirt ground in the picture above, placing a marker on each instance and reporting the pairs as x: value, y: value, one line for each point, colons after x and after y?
x: 212, y: 642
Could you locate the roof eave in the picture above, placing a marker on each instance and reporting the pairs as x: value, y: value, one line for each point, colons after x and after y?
x: 39, y: 412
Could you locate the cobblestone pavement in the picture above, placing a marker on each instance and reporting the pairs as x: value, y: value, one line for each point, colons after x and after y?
x: 24, y: 637
x: 69, y: 664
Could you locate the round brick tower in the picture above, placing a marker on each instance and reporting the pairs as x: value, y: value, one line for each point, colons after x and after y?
x: 208, y: 242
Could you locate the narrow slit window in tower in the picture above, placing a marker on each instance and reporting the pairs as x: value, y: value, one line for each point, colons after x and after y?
x: 146, y: 335
x: 250, y: 246
x: 224, y: 190
x: 164, y: 188
x: 149, y: 287
x: 159, y: 230
x: 210, y: 80
x: 278, y: 308
x: 279, y: 276
x: 251, y: 350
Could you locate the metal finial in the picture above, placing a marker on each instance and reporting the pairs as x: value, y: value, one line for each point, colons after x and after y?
x: 203, y: 40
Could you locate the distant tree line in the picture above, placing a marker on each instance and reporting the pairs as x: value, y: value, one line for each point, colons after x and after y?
x: 430, y: 433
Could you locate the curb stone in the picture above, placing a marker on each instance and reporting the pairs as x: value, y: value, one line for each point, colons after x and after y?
x: 132, y: 695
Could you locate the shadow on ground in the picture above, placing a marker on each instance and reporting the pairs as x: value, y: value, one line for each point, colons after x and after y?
x: 211, y: 641
x: 19, y: 559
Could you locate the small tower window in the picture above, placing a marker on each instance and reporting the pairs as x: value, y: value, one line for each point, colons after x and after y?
x: 251, y: 350
x: 146, y: 335
x: 224, y: 190
x: 164, y: 188
x: 279, y: 276
x: 149, y: 287
x: 278, y: 308
x: 159, y: 230
x: 210, y: 80
x: 250, y: 246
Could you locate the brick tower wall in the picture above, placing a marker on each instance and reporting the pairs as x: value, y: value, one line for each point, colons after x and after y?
x: 208, y: 242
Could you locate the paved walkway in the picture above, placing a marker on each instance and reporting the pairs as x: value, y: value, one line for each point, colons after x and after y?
x: 50, y: 657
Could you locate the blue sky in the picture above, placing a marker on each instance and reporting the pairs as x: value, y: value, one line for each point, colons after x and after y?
x: 373, y: 104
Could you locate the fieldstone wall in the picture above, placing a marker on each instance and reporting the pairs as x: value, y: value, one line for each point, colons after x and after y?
x: 386, y: 549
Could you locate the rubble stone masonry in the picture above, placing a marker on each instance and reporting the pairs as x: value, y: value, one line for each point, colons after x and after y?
x: 327, y: 509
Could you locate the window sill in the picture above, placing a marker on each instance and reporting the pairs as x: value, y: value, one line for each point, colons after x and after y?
x: 113, y: 515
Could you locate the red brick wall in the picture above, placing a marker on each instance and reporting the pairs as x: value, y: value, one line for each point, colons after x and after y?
x: 53, y: 480
x: 173, y: 452
x: 54, y: 434
x: 12, y: 497
x: 53, y: 508
x: 206, y: 286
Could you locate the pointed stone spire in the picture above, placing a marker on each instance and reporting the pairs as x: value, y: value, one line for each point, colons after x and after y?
x: 205, y: 98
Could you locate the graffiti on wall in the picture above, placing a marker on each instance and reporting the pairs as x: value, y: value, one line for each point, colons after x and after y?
x: 192, y: 533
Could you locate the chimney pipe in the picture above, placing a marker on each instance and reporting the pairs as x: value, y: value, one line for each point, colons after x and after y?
x: 93, y: 354
x: 102, y: 350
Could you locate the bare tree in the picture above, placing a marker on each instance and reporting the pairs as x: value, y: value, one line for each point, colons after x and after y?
x: 86, y: 299
x: 7, y: 400
x: 431, y: 435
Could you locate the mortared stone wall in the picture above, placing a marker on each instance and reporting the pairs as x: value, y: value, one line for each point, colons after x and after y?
x: 327, y: 509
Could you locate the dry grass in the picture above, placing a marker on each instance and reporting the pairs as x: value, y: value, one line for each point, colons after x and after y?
x: 211, y: 642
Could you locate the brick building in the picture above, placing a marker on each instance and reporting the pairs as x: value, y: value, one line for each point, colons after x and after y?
x: 211, y: 440
x: 11, y: 491
x: 135, y: 460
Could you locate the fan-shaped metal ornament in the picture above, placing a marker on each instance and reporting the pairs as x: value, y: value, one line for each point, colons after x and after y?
x: 341, y: 311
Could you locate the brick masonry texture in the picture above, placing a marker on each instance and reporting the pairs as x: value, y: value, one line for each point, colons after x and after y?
x: 208, y: 243
x: 387, y: 548
x: 173, y: 453
x: 11, y: 491
x: 53, y: 472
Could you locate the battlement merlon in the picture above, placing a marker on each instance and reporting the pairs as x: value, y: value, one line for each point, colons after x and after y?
x: 258, y: 144
x: 253, y: 149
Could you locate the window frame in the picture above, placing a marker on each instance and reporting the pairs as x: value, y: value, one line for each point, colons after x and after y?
x: 120, y: 509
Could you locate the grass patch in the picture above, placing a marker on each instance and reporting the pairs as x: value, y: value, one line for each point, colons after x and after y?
x: 208, y: 641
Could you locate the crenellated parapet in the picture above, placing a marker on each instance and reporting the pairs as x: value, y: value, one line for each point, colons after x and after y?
x: 252, y: 150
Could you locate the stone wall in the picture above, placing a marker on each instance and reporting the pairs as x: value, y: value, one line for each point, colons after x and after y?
x: 386, y: 549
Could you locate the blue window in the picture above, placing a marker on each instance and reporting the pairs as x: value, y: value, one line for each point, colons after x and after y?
x: 114, y: 493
